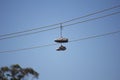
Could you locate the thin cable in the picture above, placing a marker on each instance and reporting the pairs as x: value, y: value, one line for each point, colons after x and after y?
x: 95, y: 36
x: 29, y: 30
x: 62, y: 26
x: 75, y: 40
x: 28, y: 33
x: 93, y: 19
x: 61, y: 30
x: 14, y: 33
x: 29, y: 48
x: 97, y: 12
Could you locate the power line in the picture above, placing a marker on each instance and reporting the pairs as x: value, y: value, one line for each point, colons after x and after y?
x: 95, y: 36
x: 97, y: 12
x: 28, y: 33
x: 62, y: 26
x: 75, y: 40
x: 29, y: 48
x: 93, y: 19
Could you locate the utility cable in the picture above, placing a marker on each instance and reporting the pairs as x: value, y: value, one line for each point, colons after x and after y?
x: 29, y: 48
x: 95, y: 36
x: 75, y: 40
x: 97, y: 12
x: 62, y: 26
x: 34, y: 29
x: 92, y: 19
x: 28, y: 33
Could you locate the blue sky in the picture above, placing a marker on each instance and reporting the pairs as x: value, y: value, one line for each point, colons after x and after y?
x: 92, y: 59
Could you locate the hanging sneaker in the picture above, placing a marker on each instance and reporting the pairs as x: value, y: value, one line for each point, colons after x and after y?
x: 61, y: 48
x: 61, y: 40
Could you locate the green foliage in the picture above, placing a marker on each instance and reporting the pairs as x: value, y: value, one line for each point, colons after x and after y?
x: 16, y: 72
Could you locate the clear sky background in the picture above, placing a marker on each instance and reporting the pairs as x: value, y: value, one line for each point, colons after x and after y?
x: 91, y: 59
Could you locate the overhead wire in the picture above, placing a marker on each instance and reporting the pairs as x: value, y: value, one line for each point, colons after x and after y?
x: 95, y: 36
x: 92, y: 19
x: 97, y: 12
x: 62, y: 26
x: 75, y: 40
x: 34, y: 29
x: 28, y: 33
x: 29, y: 48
